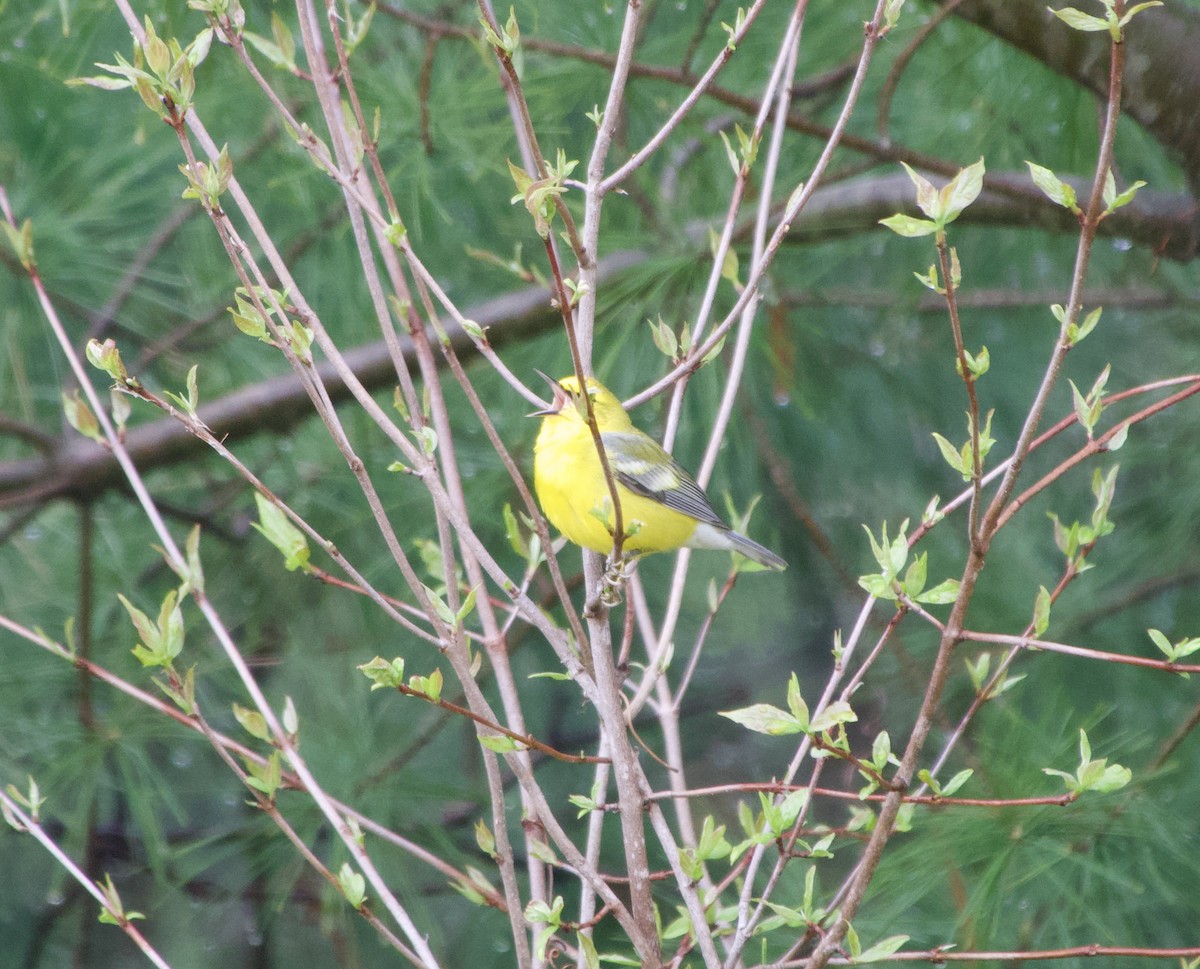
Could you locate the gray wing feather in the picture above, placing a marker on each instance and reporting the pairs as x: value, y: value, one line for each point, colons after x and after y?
x: 657, y: 475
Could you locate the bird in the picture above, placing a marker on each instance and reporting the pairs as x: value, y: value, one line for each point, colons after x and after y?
x: 662, y: 507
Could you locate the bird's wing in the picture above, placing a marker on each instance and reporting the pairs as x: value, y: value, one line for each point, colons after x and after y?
x: 646, y: 469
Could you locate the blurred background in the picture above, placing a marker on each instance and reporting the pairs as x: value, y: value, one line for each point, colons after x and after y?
x: 851, y: 372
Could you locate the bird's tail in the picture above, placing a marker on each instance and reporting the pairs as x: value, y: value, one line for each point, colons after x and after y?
x: 724, y: 538
x: 755, y: 552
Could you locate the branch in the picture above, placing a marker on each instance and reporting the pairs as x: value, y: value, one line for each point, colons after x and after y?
x: 943, y: 955
x: 79, y: 468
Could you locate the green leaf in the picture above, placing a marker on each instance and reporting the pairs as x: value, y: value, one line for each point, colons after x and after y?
x: 1078, y: 20
x: 978, y: 670
x: 100, y: 81
x: 269, y: 49
x: 927, y: 195
x: 1136, y: 9
x: 170, y: 623
x: 729, y: 267
x: 957, y: 781
x: 538, y: 911
x: 21, y: 241
x: 144, y: 625
x: 952, y: 456
x: 1083, y: 410
x: 914, y: 578
x: 275, y: 526
x: 852, y: 943
x: 161, y: 641
x: 795, y: 701
x: 714, y: 352
x: 485, y: 839
x: 664, y: 338
x: 891, y: 14
x: 735, y: 29
x: 730, y: 154
x: 898, y: 550
x: 1113, y: 778
x: 429, y: 686
x: 290, y: 718
x: 909, y: 227
x: 382, y: 674
x: 881, y: 749
x: 712, y: 843
x: 500, y: 743
x: 265, y: 778
x: 942, y: 593
x: 836, y: 713
x: 79, y: 415
x: 1053, y: 187
x: 878, y: 547
x: 1161, y: 642
x: 354, y: 885
x: 1124, y: 198
x: 764, y: 718
x: 878, y: 586
x: 961, y: 191
x: 1092, y: 775
x: 591, y: 958
x: 1041, y: 611
x: 978, y: 364
x: 1076, y: 333
x: 881, y: 950
x: 252, y: 722
x: 930, y: 281
x: 1110, y: 190
x: 467, y: 607
x: 1174, y: 651
x: 105, y: 356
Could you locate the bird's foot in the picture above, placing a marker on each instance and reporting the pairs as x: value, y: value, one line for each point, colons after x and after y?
x: 610, y: 590
x: 616, y: 574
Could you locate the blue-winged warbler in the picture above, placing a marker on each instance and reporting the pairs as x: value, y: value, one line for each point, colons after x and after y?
x: 662, y: 507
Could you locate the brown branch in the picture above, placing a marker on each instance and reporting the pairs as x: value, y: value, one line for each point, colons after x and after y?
x: 527, y: 739
x: 1055, y: 800
x: 1028, y: 642
x: 1096, y: 446
x: 937, y: 956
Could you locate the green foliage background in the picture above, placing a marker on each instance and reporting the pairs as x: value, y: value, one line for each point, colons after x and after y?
x: 847, y: 390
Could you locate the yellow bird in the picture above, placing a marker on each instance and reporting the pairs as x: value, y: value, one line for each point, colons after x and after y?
x: 662, y: 507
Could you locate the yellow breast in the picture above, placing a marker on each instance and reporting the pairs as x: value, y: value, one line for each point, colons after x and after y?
x: 574, y: 495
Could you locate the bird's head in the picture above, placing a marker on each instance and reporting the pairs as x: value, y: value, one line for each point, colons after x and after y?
x: 568, y: 402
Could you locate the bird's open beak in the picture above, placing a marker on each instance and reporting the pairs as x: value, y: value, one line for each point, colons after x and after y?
x: 558, y: 400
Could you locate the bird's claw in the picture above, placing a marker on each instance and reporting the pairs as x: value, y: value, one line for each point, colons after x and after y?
x: 609, y: 591
x: 616, y: 574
